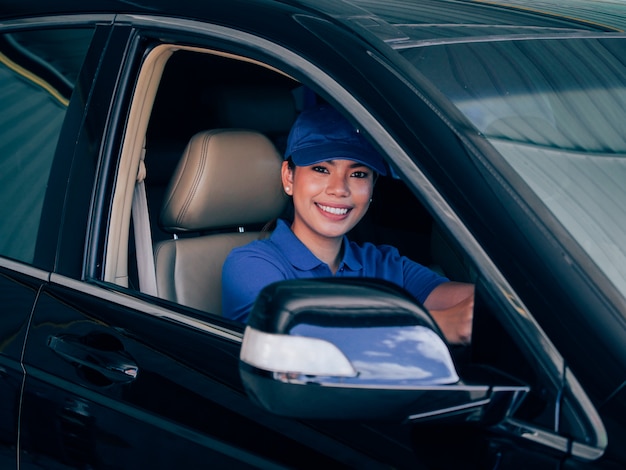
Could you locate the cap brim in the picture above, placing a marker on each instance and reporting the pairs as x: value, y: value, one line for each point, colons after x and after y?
x: 323, y: 153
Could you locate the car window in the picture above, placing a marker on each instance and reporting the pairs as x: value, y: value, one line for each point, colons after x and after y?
x: 38, y: 70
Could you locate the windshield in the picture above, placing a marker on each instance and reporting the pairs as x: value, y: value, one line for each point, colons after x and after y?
x: 556, y: 111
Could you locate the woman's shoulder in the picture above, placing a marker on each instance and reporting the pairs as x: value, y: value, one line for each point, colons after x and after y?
x: 257, y: 248
x: 258, y: 259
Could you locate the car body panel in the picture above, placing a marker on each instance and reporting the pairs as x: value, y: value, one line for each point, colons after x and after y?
x: 19, y: 286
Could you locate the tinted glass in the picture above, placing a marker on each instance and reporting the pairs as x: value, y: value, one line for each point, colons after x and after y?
x: 556, y: 111
x: 38, y: 70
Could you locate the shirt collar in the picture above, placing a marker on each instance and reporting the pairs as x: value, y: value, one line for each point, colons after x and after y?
x: 350, y: 261
x: 300, y: 256
x: 294, y: 250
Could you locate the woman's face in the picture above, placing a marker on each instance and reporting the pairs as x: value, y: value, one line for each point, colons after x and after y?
x: 329, y: 198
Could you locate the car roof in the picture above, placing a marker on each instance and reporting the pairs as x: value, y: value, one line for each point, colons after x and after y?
x: 602, y: 14
x: 598, y: 15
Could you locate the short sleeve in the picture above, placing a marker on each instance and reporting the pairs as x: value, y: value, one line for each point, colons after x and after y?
x: 386, y: 262
x: 419, y: 280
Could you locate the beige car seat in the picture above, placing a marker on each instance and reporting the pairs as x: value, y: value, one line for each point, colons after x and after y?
x: 226, y: 180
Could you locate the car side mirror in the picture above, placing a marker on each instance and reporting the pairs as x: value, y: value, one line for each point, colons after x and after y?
x: 354, y: 348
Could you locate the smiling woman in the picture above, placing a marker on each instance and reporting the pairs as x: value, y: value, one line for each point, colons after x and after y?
x: 329, y: 172
x: 334, y: 182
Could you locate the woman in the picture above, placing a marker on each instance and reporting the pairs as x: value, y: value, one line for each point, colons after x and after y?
x: 329, y: 172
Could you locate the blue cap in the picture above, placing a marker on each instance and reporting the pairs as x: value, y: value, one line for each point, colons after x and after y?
x: 321, y: 134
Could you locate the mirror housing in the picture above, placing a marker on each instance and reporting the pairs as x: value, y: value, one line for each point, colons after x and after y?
x: 355, y: 348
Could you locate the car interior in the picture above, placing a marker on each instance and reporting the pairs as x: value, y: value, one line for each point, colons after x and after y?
x: 214, y: 147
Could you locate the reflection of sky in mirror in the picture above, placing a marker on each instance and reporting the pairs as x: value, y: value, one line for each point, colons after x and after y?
x: 400, y: 353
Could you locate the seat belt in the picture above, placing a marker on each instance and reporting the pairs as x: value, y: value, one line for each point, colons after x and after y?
x: 143, y: 233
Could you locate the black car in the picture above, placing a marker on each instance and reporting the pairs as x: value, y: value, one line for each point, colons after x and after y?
x: 141, y: 141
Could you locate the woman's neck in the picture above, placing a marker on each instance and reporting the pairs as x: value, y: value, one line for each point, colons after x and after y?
x: 331, y: 254
x: 327, y: 250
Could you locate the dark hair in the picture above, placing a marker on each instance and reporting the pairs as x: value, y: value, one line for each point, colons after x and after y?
x: 287, y: 212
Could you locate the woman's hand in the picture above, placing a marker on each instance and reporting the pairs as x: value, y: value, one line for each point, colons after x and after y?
x: 452, y: 306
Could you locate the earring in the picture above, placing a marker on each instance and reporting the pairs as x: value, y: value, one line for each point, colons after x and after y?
x: 287, y: 188
x: 371, y: 199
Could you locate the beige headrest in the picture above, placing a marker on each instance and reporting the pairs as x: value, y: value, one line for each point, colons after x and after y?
x: 225, y: 178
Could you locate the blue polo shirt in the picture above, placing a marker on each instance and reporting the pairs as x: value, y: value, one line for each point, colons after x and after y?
x: 283, y: 256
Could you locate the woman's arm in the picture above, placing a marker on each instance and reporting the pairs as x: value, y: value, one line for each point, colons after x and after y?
x: 451, y: 304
